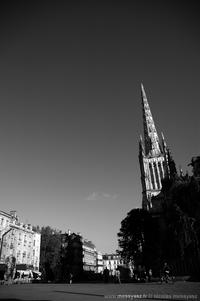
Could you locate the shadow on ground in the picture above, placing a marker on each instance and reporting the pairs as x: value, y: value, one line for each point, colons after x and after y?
x: 75, y: 293
x: 14, y: 299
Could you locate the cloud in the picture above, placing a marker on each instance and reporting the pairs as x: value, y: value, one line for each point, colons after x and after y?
x: 96, y: 196
x: 93, y: 197
x: 109, y: 196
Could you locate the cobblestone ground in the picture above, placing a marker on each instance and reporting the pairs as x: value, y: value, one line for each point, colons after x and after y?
x: 78, y: 292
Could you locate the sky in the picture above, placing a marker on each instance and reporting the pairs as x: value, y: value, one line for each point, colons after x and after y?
x: 70, y: 106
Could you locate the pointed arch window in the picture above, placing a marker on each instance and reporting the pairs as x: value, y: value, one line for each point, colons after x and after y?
x: 160, y: 170
x: 152, y: 176
x: 164, y: 168
x: 156, y: 174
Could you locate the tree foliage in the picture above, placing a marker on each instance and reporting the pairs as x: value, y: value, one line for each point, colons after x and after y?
x: 173, y: 235
x: 50, y: 253
x: 182, y: 215
x: 60, y: 255
x: 137, y: 238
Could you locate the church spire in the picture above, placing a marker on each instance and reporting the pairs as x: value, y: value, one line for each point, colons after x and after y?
x: 151, y: 140
x: 141, y: 146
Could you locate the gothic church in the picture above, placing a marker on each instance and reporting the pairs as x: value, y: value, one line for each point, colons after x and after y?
x: 153, y: 157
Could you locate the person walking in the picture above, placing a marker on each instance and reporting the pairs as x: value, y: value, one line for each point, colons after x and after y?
x: 150, y: 275
x: 118, y: 276
x: 165, y: 273
x: 70, y: 278
x: 106, y: 275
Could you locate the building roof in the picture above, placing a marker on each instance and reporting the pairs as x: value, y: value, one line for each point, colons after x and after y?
x: 88, y: 244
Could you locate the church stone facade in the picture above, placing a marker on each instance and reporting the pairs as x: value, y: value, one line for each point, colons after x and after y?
x: 153, y: 156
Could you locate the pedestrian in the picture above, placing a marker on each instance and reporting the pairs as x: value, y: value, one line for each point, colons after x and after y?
x: 150, y: 275
x: 106, y: 275
x: 165, y: 272
x: 118, y: 276
x: 70, y: 278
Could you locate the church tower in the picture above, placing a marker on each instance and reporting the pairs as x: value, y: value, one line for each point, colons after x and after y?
x: 152, y: 157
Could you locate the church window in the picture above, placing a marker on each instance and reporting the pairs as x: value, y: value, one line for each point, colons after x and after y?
x: 152, y: 176
x: 160, y: 170
x: 156, y: 174
x: 163, y: 168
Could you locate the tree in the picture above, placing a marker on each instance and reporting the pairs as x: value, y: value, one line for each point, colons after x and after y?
x: 137, y: 238
x: 71, y: 257
x: 50, y: 253
x: 181, y: 212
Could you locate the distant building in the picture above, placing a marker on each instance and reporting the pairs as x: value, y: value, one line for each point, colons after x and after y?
x: 112, y: 262
x: 89, y: 256
x: 80, y: 255
x: 19, y: 240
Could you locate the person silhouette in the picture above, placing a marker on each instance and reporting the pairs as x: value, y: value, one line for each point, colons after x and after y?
x: 106, y: 275
x: 118, y: 276
x: 70, y: 278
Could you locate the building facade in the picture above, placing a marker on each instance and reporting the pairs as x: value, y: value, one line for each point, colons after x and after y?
x: 80, y: 255
x: 153, y: 157
x: 99, y: 262
x: 89, y: 256
x: 112, y: 262
x: 19, y: 240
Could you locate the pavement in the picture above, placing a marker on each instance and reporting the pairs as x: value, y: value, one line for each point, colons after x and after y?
x: 180, y: 291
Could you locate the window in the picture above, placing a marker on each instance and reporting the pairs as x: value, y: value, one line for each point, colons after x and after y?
x: 152, y: 176
x: 160, y: 170
x: 157, y: 177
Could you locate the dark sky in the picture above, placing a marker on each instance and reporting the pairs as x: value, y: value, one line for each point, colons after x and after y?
x: 70, y: 107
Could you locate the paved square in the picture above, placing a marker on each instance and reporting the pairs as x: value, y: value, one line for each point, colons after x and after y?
x: 77, y: 292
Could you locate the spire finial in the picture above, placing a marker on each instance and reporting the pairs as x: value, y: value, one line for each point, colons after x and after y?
x: 143, y: 91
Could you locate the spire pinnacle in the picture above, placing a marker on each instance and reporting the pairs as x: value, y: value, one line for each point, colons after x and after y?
x: 143, y: 91
x: 141, y: 146
x: 151, y: 139
x: 164, y: 144
x: 162, y: 135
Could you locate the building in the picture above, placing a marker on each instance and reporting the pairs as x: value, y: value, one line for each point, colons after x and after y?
x: 112, y: 262
x: 19, y: 240
x: 99, y: 262
x: 89, y: 256
x: 80, y: 255
x: 154, y: 158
